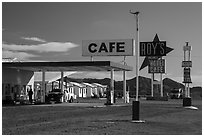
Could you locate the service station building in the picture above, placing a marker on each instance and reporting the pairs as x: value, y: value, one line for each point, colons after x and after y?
x: 18, y: 77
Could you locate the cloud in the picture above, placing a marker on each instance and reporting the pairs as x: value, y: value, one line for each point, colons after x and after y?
x: 40, y: 48
x: 33, y: 39
x: 18, y: 55
x: 29, y: 52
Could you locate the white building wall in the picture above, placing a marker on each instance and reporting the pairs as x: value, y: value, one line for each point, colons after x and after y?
x: 80, y: 92
x: 84, y: 92
x: 89, y: 91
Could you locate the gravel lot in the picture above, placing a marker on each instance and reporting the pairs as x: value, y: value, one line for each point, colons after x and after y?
x: 161, y: 118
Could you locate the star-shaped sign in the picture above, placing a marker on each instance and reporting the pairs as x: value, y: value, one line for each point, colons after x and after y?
x: 146, y: 60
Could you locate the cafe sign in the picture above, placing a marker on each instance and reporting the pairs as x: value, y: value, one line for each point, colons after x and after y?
x: 115, y: 47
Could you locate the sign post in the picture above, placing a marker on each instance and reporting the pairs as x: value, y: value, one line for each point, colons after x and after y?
x: 152, y: 85
x: 156, y: 66
x: 187, y: 64
x: 161, y: 85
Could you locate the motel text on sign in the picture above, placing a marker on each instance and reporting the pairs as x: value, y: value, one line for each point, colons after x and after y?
x: 156, y: 66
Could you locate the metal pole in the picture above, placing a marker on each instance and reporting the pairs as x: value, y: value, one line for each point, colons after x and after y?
x: 124, y: 83
x: 136, y: 14
x: 43, y: 86
x: 136, y: 103
x: 161, y: 84
x: 112, y: 86
x: 137, y: 56
x: 152, y: 85
x: 62, y: 85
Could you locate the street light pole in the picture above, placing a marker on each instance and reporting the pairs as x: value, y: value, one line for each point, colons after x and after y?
x: 136, y: 103
x: 136, y: 14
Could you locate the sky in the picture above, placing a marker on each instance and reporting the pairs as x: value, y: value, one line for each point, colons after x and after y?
x: 37, y: 31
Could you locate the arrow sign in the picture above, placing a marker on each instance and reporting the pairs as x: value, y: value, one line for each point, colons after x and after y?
x: 146, y: 60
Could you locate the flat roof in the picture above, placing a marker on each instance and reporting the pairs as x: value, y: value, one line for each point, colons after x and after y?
x: 68, y: 66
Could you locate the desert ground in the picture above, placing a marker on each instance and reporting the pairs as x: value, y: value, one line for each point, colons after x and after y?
x: 92, y: 117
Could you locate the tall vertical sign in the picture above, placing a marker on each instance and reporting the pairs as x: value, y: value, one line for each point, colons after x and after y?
x: 187, y: 64
x: 154, y: 51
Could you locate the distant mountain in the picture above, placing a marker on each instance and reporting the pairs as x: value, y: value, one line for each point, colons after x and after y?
x: 170, y: 84
x: 144, y: 85
x: 105, y: 81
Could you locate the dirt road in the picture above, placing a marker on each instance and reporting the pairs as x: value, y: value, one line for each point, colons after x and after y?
x: 161, y: 117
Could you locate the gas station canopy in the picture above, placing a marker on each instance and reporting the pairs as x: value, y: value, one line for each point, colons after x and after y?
x: 68, y: 66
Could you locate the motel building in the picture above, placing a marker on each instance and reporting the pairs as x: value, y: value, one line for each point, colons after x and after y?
x: 70, y: 89
x: 79, y: 89
x: 91, y: 89
x: 101, y: 89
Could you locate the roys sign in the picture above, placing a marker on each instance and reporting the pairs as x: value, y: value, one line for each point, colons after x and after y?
x: 117, y: 47
x: 153, y: 48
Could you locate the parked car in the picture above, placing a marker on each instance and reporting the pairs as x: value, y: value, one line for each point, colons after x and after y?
x: 55, y: 96
x: 176, y: 94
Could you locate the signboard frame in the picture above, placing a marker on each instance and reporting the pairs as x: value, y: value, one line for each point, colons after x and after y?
x: 114, y: 47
